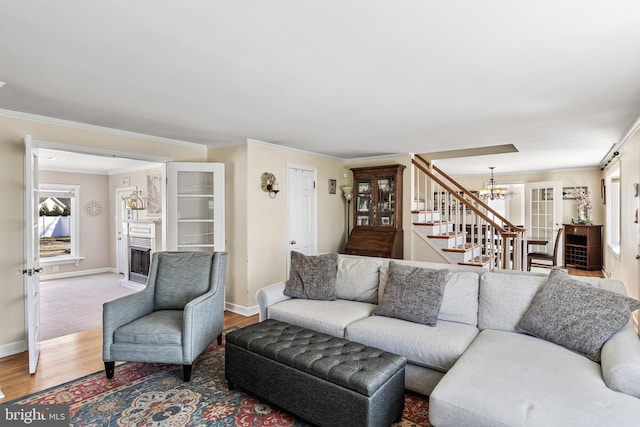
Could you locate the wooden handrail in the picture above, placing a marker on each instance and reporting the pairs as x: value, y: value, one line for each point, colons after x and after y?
x: 507, y: 231
x: 460, y: 198
x: 466, y: 192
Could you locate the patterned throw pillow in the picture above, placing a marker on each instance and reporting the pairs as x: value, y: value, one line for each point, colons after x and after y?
x: 576, y: 315
x: 413, y: 294
x: 312, y: 277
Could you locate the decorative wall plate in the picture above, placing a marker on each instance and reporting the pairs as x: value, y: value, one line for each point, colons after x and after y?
x: 92, y: 208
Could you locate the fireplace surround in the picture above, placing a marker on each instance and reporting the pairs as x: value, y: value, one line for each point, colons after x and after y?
x: 141, y: 245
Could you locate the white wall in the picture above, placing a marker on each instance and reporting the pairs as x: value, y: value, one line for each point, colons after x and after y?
x: 625, y: 265
x: 256, y: 226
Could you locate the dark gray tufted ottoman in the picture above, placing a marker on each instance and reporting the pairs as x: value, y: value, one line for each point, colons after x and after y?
x: 325, y: 380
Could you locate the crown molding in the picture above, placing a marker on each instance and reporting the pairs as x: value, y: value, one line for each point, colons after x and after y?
x: 94, y: 128
x: 313, y: 153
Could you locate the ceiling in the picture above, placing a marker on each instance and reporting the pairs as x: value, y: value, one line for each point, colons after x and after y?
x: 559, y: 80
x: 57, y: 160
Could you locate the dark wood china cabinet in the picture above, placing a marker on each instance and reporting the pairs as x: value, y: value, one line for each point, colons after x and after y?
x: 377, y: 212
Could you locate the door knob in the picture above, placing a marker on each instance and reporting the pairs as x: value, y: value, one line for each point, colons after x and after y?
x: 293, y: 242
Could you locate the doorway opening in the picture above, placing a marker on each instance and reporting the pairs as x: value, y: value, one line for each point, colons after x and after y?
x: 94, y: 208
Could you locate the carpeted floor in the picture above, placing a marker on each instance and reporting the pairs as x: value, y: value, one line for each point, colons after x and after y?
x: 145, y: 394
x: 74, y: 304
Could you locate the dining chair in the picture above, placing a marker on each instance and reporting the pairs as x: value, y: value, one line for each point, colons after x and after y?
x: 545, y: 259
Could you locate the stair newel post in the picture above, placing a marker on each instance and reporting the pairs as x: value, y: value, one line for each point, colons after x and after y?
x: 429, y: 190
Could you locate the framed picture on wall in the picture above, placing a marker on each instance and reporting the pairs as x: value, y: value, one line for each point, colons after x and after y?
x: 154, y: 195
x: 332, y: 186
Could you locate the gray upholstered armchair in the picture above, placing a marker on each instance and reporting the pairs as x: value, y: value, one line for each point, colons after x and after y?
x: 178, y: 314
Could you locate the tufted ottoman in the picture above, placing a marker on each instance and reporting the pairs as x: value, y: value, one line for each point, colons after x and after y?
x: 325, y: 380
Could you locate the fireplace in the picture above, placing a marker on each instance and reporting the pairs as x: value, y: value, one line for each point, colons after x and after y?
x: 139, y: 259
x: 141, y: 246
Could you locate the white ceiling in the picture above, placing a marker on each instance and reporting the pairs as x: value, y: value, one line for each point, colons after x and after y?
x: 558, y: 79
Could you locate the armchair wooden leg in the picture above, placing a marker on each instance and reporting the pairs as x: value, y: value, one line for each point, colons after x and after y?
x: 186, y: 372
x: 109, y: 368
x: 220, y: 339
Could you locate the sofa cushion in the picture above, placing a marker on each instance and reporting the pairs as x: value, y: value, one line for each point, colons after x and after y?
x: 413, y: 294
x: 329, y: 317
x: 460, y: 298
x: 437, y: 347
x: 163, y: 327
x: 504, y: 298
x: 180, y: 277
x: 358, y: 278
x: 575, y: 315
x: 312, y: 277
x: 507, y: 379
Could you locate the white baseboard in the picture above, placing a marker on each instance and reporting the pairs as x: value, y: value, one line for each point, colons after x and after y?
x: 240, y: 309
x: 132, y: 285
x: 13, y: 348
x: 78, y: 273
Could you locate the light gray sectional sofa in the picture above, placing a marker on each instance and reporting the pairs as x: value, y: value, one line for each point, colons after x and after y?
x: 476, y: 364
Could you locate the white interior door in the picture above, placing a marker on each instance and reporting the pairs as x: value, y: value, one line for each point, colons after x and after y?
x: 122, y: 255
x: 301, y: 211
x: 32, y: 268
x: 543, y: 214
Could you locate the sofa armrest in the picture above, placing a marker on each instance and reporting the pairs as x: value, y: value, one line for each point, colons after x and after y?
x: 270, y: 295
x: 620, y: 361
x: 203, y: 321
x: 120, y: 312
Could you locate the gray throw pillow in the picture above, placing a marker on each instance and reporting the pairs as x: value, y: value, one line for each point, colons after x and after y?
x: 312, y: 277
x: 576, y: 315
x: 413, y: 294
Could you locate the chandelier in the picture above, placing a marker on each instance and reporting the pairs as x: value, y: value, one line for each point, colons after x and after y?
x: 492, y: 192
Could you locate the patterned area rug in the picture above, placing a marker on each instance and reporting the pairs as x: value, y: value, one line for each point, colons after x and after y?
x: 147, y: 394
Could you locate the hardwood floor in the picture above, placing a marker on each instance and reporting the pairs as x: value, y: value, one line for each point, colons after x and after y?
x: 67, y: 358
x: 585, y: 273
x: 73, y: 356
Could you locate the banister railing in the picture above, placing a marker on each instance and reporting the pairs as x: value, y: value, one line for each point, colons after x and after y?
x: 501, y: 241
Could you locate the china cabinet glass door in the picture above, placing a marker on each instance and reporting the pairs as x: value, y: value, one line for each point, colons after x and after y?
x: 364, y: 206
x: 195, y: 207
x: 375, y: 203
x: 385, y: 203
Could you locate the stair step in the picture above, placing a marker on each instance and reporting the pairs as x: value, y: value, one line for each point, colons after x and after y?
x: 462, y: 248
x: 432, y: 223
x: 449, y: 235
x: 479, y: 261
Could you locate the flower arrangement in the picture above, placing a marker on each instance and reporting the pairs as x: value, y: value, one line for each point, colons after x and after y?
x: 583, y: 202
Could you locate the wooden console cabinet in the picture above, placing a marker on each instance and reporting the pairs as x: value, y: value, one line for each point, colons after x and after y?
x: 377, y: 212
x: 583, y: 246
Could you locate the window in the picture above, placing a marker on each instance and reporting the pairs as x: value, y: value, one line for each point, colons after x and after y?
x: 58, y: 230
x: 613, y: 210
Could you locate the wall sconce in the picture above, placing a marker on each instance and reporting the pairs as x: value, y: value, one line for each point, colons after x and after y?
x: 270, y: 185
x: 135, y: 202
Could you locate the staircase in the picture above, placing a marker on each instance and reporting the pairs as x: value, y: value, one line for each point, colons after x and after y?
x: 461, y: 227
